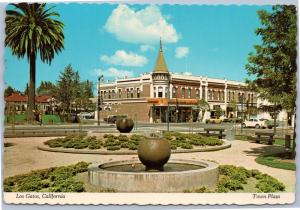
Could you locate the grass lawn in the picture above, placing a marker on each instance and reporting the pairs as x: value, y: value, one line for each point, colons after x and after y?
x: 278, y: 141
x: 277, y: 161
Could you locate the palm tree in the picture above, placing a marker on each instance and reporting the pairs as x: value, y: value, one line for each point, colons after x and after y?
x: 31, y: 31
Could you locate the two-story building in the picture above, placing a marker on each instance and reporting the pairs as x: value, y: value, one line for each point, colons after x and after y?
x: 148, y: 98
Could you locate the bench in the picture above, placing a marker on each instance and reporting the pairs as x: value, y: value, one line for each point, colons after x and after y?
x: 220, y: 130
x: 259, y: 134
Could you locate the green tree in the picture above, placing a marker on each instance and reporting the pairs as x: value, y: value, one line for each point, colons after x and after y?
x: 31, y: 31
x: 46, y: 88
x: 274, y: 63
x: 68, y: 88
x: 203, y: 106
x: 9, y: 90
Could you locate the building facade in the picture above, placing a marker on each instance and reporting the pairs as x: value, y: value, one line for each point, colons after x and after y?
x: 148, y: 98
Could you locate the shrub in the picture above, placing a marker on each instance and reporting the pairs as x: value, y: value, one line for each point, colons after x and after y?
x: 56, y: 179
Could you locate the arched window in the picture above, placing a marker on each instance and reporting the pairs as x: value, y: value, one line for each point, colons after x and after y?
x: 197, y: 94
x: 182, y: 92
x: 189, y: 93
x: 160, y: 92
x: 174, y: 92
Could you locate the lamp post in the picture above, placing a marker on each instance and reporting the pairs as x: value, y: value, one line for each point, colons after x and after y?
x: 99, y: 99
x: 168, y: 111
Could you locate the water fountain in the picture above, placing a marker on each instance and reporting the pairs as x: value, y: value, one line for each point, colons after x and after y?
x: 153, y: 171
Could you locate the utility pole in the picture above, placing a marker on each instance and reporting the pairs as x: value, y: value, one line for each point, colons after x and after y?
x: 99, y: 99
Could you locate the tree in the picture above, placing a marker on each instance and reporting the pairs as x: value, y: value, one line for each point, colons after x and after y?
x: 9, y: 90
x: 203, y: 106
x: 31, y: 31
x: 68, y: 87
x: 46, y: 88
x: 274, y: 63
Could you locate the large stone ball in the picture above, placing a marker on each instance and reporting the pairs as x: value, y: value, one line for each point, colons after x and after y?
x: 154, y: 153
x: 125, y: 125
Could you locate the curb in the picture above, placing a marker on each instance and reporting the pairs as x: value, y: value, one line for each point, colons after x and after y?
x: 226, y: 145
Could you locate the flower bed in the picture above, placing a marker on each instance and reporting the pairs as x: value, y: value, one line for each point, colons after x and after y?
x: 112, y: 142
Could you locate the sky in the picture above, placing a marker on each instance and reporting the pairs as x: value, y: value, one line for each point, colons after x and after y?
x: 119, y: 40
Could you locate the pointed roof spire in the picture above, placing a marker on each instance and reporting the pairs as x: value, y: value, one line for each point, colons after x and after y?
x: 160, y: 66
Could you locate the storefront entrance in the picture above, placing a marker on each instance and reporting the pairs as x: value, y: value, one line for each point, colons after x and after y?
x: 176, y: 114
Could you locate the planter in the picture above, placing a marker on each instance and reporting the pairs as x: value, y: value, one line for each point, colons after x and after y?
x: 125, y: 125
x: 154, y: 153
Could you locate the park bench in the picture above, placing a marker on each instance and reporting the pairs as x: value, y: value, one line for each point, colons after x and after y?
x: 215, y: 129
x: 260, y: 134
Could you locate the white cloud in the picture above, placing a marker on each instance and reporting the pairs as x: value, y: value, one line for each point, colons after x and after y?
x: 146, y: 47
x: 181, y: 52
x: 112, y: 73
x: 187, y: 73
x: 123, y: 58
x: 144, y: 26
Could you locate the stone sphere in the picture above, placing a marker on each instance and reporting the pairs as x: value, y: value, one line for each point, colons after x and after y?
x: 154, y: 153
x: 125, y: 125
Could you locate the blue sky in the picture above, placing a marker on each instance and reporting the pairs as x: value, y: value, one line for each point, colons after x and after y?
x: 123, y: 40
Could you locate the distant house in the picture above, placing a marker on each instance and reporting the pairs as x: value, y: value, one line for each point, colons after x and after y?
x: 18, y: 102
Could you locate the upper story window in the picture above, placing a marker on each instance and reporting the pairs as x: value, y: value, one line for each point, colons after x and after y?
x: 113, y: 94
x: 109, y: 94
x: 154, y: 92
x: 189, y: 93
x: 222, y: 96
x: 160, y: 92
x: 197, y: 94
x: 182, y: 92
x: 174, y: 92
x: 104, y: 94
x: 127, y: 92
x: 166, y: 92
x: 203, y: 92
x: 138, y: 93
x: 120, y: 93
x: 209, y: 95
x: 131, y: 92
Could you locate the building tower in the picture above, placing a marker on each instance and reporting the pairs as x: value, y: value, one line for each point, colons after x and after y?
x: 161, y: 76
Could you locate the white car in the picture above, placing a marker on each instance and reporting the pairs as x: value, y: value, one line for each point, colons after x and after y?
x: 254, y: 123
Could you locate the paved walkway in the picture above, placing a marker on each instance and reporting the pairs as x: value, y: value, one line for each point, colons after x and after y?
x: 24, y: 157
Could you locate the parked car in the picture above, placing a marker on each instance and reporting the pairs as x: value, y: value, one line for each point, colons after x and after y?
x: 114, y: 118
x: 233, y: 120
x: 86, y: 115
x: 254, y: 123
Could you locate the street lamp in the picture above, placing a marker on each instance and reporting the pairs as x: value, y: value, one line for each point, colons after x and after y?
x: 99, y: 99
x: 168, y: 115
